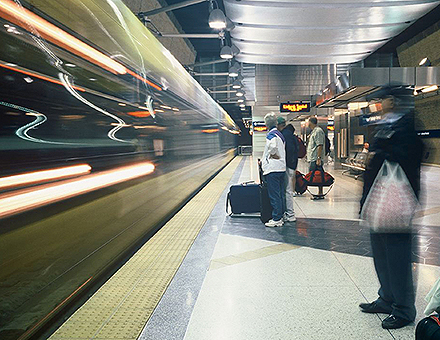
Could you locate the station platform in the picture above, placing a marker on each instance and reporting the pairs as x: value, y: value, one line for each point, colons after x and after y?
x: 206, y: 275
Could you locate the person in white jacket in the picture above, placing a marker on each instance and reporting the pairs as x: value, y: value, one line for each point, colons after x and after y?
x: 274, y: 169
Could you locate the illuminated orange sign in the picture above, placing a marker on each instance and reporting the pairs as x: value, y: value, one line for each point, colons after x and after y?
x: 295, y: 107
x: 210, y: 130
x: 259, y: 126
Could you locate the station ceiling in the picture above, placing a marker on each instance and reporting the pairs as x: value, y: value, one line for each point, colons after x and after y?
x: 300, y: 32
x: 305, y: 32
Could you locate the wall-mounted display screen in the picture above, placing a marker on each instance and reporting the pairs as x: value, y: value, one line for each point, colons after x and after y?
x: 295, y: 107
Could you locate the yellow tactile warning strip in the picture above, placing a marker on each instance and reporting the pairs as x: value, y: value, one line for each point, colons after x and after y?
x: 122, y: 306
x: 251, y: 255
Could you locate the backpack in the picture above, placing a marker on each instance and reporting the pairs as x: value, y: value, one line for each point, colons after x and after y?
x: 428, y: 328
x: 301, y: 184
x: 301, y: 148
x: 327, y: 146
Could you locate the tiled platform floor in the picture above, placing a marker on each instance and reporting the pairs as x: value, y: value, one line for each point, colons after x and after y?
x: 301, y: 281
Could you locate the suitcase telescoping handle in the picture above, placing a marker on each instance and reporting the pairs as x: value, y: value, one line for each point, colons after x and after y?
x: 248, y: 182
x: 228, y: 203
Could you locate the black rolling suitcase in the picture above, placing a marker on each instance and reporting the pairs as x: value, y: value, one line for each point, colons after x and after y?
x: 265, y: 206
x: 428, y: 328
x: 244, y: 198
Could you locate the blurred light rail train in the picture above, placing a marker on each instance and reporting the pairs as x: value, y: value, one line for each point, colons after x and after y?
x: 103, y: 136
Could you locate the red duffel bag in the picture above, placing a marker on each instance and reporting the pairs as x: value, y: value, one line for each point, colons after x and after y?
x: 319, y: 178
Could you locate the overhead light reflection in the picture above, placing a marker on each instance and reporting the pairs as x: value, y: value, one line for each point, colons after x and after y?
x: 22, y: 201
x: 43, y: 175
x: 430, y: 88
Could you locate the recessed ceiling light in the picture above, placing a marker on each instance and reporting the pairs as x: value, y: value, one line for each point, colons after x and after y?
x: 70, y: 65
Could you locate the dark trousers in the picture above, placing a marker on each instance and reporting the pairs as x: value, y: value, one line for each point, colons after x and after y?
x: 275, y: 189
x: 392, y: 260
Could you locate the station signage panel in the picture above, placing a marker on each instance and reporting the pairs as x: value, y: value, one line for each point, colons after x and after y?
x: 295, y: 107
x: 259, y: 126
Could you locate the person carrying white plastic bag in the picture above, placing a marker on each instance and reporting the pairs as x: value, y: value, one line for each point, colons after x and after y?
x: 391, y: 202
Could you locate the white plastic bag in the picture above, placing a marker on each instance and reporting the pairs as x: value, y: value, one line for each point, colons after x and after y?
x: 391, y: 202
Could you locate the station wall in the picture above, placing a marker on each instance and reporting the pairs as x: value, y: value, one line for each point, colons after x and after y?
x: 427, y: 110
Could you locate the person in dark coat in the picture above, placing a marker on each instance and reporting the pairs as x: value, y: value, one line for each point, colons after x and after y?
x: 395, y: 140
x: 291, y: 146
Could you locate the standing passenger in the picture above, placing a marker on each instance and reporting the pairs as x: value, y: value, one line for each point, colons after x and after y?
x: 274, y: 168
x: 316, y: 150
x: 291, y: 164
x: 395, y: 140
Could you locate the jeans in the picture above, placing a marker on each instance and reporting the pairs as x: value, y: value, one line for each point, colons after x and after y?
x: 288, y: 185
x: 275, y: 188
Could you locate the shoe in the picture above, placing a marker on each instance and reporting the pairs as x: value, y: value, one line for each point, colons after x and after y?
x: 289, y: 219
x: 395, y: 322
x: 317, y: 197
x: 272, y: 223
x: 373, y: 307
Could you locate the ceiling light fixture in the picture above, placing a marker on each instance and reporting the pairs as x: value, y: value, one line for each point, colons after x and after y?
x: 242, y: 105
x: 240, y: 100
x: 236, y: 85
x: 239, y: 94
x: 226, y: 52
x: 217, y: 19
x: 425, y: 62
x: 233, y: 72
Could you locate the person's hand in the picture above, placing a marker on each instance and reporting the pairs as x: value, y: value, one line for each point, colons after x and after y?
x: 319, y: 162
x: 275, y: 156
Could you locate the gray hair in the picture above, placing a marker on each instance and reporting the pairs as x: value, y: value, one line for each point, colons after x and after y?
x: 270, y: 120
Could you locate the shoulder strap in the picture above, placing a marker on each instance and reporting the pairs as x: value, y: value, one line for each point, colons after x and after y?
x: 435, y: 318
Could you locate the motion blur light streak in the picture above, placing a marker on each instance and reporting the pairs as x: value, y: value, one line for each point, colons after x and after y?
x: 111, y: 134
x: 44, y: 175
x: 144, y: 80
x: 12, y: 67
x: 23, y: 131
x: 22, y: 17
x: 138, y: 114
x: 56, y: 192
